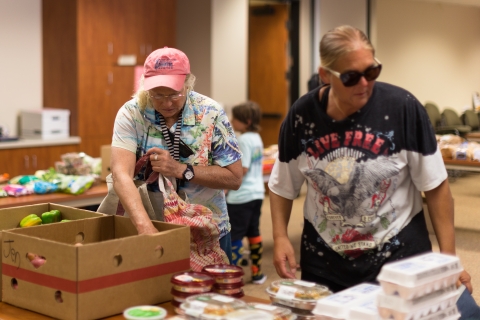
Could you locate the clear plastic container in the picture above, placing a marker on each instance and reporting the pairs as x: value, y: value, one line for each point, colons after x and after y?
x: 278, y: 313
x: 224, y: 273
x: 419, y: 275
x: 394, y: 307
x: 210, y: 306
x: 192, y: 282
x: 297, y: 293
x: 145, y: 313
x: 338, y: 305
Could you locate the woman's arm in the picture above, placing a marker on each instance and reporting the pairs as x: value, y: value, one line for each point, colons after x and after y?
x: 123, y: 166
x: 283, y: 252
x: 215, y: 177
x: 440, y: 209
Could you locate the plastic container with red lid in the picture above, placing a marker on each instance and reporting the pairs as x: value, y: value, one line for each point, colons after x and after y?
x: 192, y: 282
x: 224, y: 273
x: 228, y: 288
x: 238, y: 295
x: 180, y: 296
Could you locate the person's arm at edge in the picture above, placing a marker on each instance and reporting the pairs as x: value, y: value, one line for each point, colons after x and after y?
x: 440, y: 208
x: 214, y: 176
x: 283, y: 252
x: 123, y: 165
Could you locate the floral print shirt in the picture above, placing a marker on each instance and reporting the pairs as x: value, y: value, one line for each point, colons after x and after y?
x: 205, y: 129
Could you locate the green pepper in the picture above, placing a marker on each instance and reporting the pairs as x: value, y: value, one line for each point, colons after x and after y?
x: 65, y: 220
x: 51, y: 216
x: 31, y: 220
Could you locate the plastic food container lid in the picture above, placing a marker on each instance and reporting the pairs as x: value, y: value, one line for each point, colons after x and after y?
x: 145, y: 313
x: 297, y: 290
x: 223, y: 270
x: 274, y: 310
x: 210, y: 305
x: 192, y: 279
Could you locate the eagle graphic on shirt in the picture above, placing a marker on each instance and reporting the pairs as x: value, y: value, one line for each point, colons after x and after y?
x: 349, y: 195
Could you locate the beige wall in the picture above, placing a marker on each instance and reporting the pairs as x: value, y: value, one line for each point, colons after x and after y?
x: 195, y: 40
x: 431, y: 49
x: 20, y: 60
x: 333, y: 13
x: 229, y: 60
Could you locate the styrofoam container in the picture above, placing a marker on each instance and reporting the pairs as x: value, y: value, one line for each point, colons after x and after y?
x: 338, y: 305
x: 394, y: 307
x: 449, y: 313
x: 419, y: 275
x: 365, y: 311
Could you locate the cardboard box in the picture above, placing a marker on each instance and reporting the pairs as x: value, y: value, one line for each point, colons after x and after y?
x: 114, y: 268
x: 105, y: 154
x: 45, y: 123
x: 10, y: 218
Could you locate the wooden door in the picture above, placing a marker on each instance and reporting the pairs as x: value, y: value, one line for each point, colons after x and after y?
x: 129, y: 33
x: 160, y: 25
x: 96, y: 30
x: 268, y: 65
x: 122, y: 89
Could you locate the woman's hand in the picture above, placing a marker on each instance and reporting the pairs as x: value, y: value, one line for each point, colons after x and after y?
x: 465, y: 279
x: 146, y: 228
x: 284, y: 258
x: 163, y: 163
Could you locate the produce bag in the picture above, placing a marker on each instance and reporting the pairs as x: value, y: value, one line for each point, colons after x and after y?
x: 152, y: 201
x: 204, y: 232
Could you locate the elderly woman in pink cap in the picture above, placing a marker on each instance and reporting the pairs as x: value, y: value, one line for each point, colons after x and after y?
x: 187, y: 135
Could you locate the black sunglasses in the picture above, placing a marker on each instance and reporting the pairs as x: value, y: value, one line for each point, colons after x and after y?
x: 351, y: 78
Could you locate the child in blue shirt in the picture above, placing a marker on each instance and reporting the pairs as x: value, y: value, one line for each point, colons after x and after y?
x: 244, y: 205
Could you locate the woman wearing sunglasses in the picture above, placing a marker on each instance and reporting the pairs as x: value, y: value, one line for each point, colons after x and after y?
x: 366, y: 150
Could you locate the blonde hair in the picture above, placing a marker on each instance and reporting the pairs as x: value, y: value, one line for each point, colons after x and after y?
x: 144, y: 99
x: 340, y: 41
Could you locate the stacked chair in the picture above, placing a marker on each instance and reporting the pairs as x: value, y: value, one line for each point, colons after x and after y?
x: 447, y: 122
x: 471, y: 118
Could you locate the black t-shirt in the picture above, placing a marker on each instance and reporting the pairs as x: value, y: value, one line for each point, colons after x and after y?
x: 363, y: 206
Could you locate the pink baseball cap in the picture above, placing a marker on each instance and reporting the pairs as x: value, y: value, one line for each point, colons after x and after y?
x: 166, y: 67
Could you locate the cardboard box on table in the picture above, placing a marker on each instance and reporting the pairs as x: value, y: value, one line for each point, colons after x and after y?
x: 106, y: 155
x: 10, y: 217
x: 114, y: 268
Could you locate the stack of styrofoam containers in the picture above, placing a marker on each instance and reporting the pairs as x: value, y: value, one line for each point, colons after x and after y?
x: 355, y: 303
x: 420, y: 287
